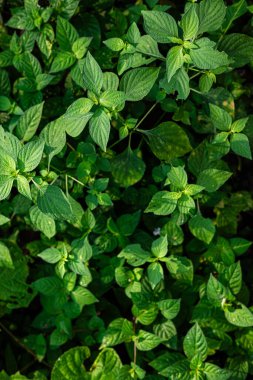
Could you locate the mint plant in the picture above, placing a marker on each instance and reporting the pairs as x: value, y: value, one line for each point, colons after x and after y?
x: 125, y: 190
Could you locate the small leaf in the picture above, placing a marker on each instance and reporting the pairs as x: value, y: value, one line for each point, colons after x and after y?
x: 195, y: 343
x: 239, y: 143
x: 115, y: 44
x: 169, y: 308
x: 5, y: 257
x: 163, y: 203
x: 42, y: 222
x: 99, y: 128
x: 50, y: 255
x: 177, y: 177
x: 83, y: 296
x: 174, y: 61
x: 120, y: 330
x: 155, y: 274
x: 23, y: 186
x: 202, y: 228
x: 220, y: 118
x: 146, y: 341
x: 29, y: 122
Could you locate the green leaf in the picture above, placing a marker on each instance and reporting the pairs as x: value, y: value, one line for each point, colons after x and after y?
x: 106, y: 366
x: 80, y: 46
x: 211, y: 15
x: 180, y: 268
x: 202, y: 228
x: 62, y: 61
x: 185, y: 204
x: 177, y: 177
x: 174, y: 61
x: 195, y: 343
x: 112, y: 99
x: 42, y: 222
x: 146, y: 341
x: 83, y: 296
x: 134, y: 255
x: 99, y: 128
x: 241, y: 316
x: 213, y: 372
x: 6, y: 183
x: 66, y: 34
x: 163, y: 203
x: 240, y: 245
x: 48, y: 286
x: 220, y: 118
x: 53, y: 202
x: 127, y: 168
x: 51, y: 255
x: 216, y: 291
x: 234, y: 276
x: 120, y: 330
x: 168, y: 141
x: 4, y: 220
x: 29, y: 122
x: 207, y: 58
x: 92, y: 74
x: 159, y: 247
x: 190, y: 23
x: 115, y: 44
x: 7, y: 164
x: 239, y: 47
x: 28, y: 65
x: 239, y: 125
x: 137, y: 83
x: 160, y: 25
x: 148, y: 46
x: 110, y: 81
x: 169, y: 308
x: 155, y: 274
x: 70, y: 364
x: 5, y: 257
x: 30, y: 155
x: 77, y: 116
x: 239, y: 143
x: 23, y: 186
x: 213, y: 179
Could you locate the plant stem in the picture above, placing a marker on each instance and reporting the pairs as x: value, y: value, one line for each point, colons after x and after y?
x: 27, y: 349
x: 144, y: 117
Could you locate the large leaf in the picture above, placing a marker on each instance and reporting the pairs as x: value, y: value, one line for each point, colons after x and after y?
x: 195, y: 343
x: 30, y: 155
x: 239, y: 47
x: 42, y: 222
x: 137, y: 83
x: 70, y: 364
x: 127, y: 168
x: 92, y: 74
x: 77, y: 116
x: 160, y: 25
x: 53, y: 202
x: 240, y: 316
x: 66, y: 34
x: 202, y: 228
x: 190, y: 23
x: 168, y: 141
x: 211, y: 15
x: 213, y: 179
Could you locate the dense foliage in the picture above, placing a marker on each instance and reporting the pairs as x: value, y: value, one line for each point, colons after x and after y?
x: 126, y: 190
